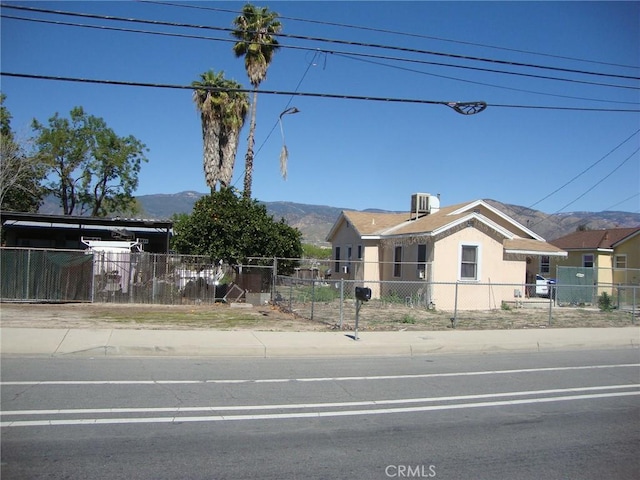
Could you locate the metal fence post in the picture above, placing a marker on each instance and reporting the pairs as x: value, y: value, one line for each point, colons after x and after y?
x: 341, y: 302
x: 290, y: 296
x: 550, y: 307
x: 634, y: 306
x: 313, y: 295
x: 454, y: 320
x: 274, y: 278
x: 28, y: 273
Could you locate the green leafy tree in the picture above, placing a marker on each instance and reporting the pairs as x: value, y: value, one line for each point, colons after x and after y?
x: 93, y: 170
x: 316, y: 252
x: 255, y: 30
x: 226, y: 226
x: 20, y: 174
x: 222, y: 113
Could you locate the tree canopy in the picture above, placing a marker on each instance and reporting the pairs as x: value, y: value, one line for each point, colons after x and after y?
x: 91, y: 169
x: 255, y: 29
x: 229, y: 227
x: 222, y: 114
x: 20, y: 173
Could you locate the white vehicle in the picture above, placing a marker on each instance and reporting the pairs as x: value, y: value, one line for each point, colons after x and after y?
x: 544, y: 286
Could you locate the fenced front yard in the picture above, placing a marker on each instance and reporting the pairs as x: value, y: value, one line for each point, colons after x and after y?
x: 468, y: 305
x: 31, y: 275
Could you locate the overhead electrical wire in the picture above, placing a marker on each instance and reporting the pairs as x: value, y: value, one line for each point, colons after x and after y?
x: 327, y: 40
x: 350, y: 55
x: 307, y: 94
x: 586, y: 169
x: 394, y: 32
x: 590, y: 188
x: 485, y: 84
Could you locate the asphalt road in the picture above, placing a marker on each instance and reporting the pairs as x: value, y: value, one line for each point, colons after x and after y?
x: 569, y: 415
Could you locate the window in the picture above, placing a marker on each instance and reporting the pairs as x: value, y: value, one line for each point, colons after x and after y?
x: 336, y: 267
x: 422, y: 253
x: 469, y: 262
x: 359, y: 252
x: 620, y: 261
x: 544, y: 264
x: 587, y: 260
x: 397, y: 262
x: 422, y: 260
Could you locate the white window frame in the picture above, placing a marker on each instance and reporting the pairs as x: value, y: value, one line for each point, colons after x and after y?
x: 478, y: 262
x: 584, y: 260
x: 545, y: 266
x: 620, y: 256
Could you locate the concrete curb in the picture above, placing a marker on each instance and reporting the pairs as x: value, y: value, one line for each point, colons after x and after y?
x: 131, y: 343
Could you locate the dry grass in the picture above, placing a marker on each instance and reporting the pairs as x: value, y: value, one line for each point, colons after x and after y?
x: 270, y: 318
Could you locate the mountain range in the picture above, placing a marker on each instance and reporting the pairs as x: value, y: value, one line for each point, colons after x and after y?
x: 315, y: 221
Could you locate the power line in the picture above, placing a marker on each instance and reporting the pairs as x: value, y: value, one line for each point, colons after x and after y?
x: 601, y: 180
x: 394, y: 32
x: 350, y: 55
x: 327, y: 40
x: 623, y: 201
x: 586, y: 169
x: 474, y: 82
x: 306, y: 94
x: 592, y: 187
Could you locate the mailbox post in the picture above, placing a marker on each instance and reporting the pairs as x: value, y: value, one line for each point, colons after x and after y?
x: 363, y: 294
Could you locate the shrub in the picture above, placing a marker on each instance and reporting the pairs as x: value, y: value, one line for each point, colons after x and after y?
x: 605, y: 302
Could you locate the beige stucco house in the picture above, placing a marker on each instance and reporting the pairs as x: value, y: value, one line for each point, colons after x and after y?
x: 468, y: 243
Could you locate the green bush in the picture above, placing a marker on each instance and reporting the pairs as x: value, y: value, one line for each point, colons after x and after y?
x: 408, y: 319
x: 605, y: 302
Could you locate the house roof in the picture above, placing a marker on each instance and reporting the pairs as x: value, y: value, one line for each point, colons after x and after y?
x: 393, y: 225
x: 530, y: 246
x: 22, y: 219
x: 595, y: 239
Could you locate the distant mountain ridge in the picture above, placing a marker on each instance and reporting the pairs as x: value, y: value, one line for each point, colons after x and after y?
x: 315, y: 221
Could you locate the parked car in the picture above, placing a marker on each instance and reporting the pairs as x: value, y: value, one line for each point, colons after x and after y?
x: 544, y: 286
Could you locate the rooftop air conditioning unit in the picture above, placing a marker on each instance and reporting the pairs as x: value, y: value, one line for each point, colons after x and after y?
x: 423, y: 204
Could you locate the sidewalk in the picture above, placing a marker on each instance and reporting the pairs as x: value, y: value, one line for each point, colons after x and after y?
x: 110, y: 342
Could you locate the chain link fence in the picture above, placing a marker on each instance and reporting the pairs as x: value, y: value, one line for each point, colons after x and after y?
x: 119, y: 277
x: 310, y: 289
x: 468, y: 304
x: 45, y: 275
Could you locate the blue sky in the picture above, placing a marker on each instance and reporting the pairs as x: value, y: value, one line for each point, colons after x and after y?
x: 360, y: 154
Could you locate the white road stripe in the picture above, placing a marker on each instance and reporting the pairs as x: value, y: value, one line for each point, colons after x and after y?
x: 336, y: 413
x: 314, y: 379
x: 298, y: 406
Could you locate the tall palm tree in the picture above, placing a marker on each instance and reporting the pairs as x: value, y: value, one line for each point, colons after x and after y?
x: 255, y: 29
x: 222, y: 113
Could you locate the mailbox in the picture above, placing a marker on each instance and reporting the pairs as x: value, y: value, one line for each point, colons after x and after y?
x: 363, y: 294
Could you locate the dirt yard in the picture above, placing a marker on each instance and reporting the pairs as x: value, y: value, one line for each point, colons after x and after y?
x: 270, y: 318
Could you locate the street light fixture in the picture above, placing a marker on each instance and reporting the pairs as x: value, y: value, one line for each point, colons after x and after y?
x: 284, y: 154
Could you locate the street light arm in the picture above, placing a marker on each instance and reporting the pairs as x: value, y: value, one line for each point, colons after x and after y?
x: 289, y: 111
